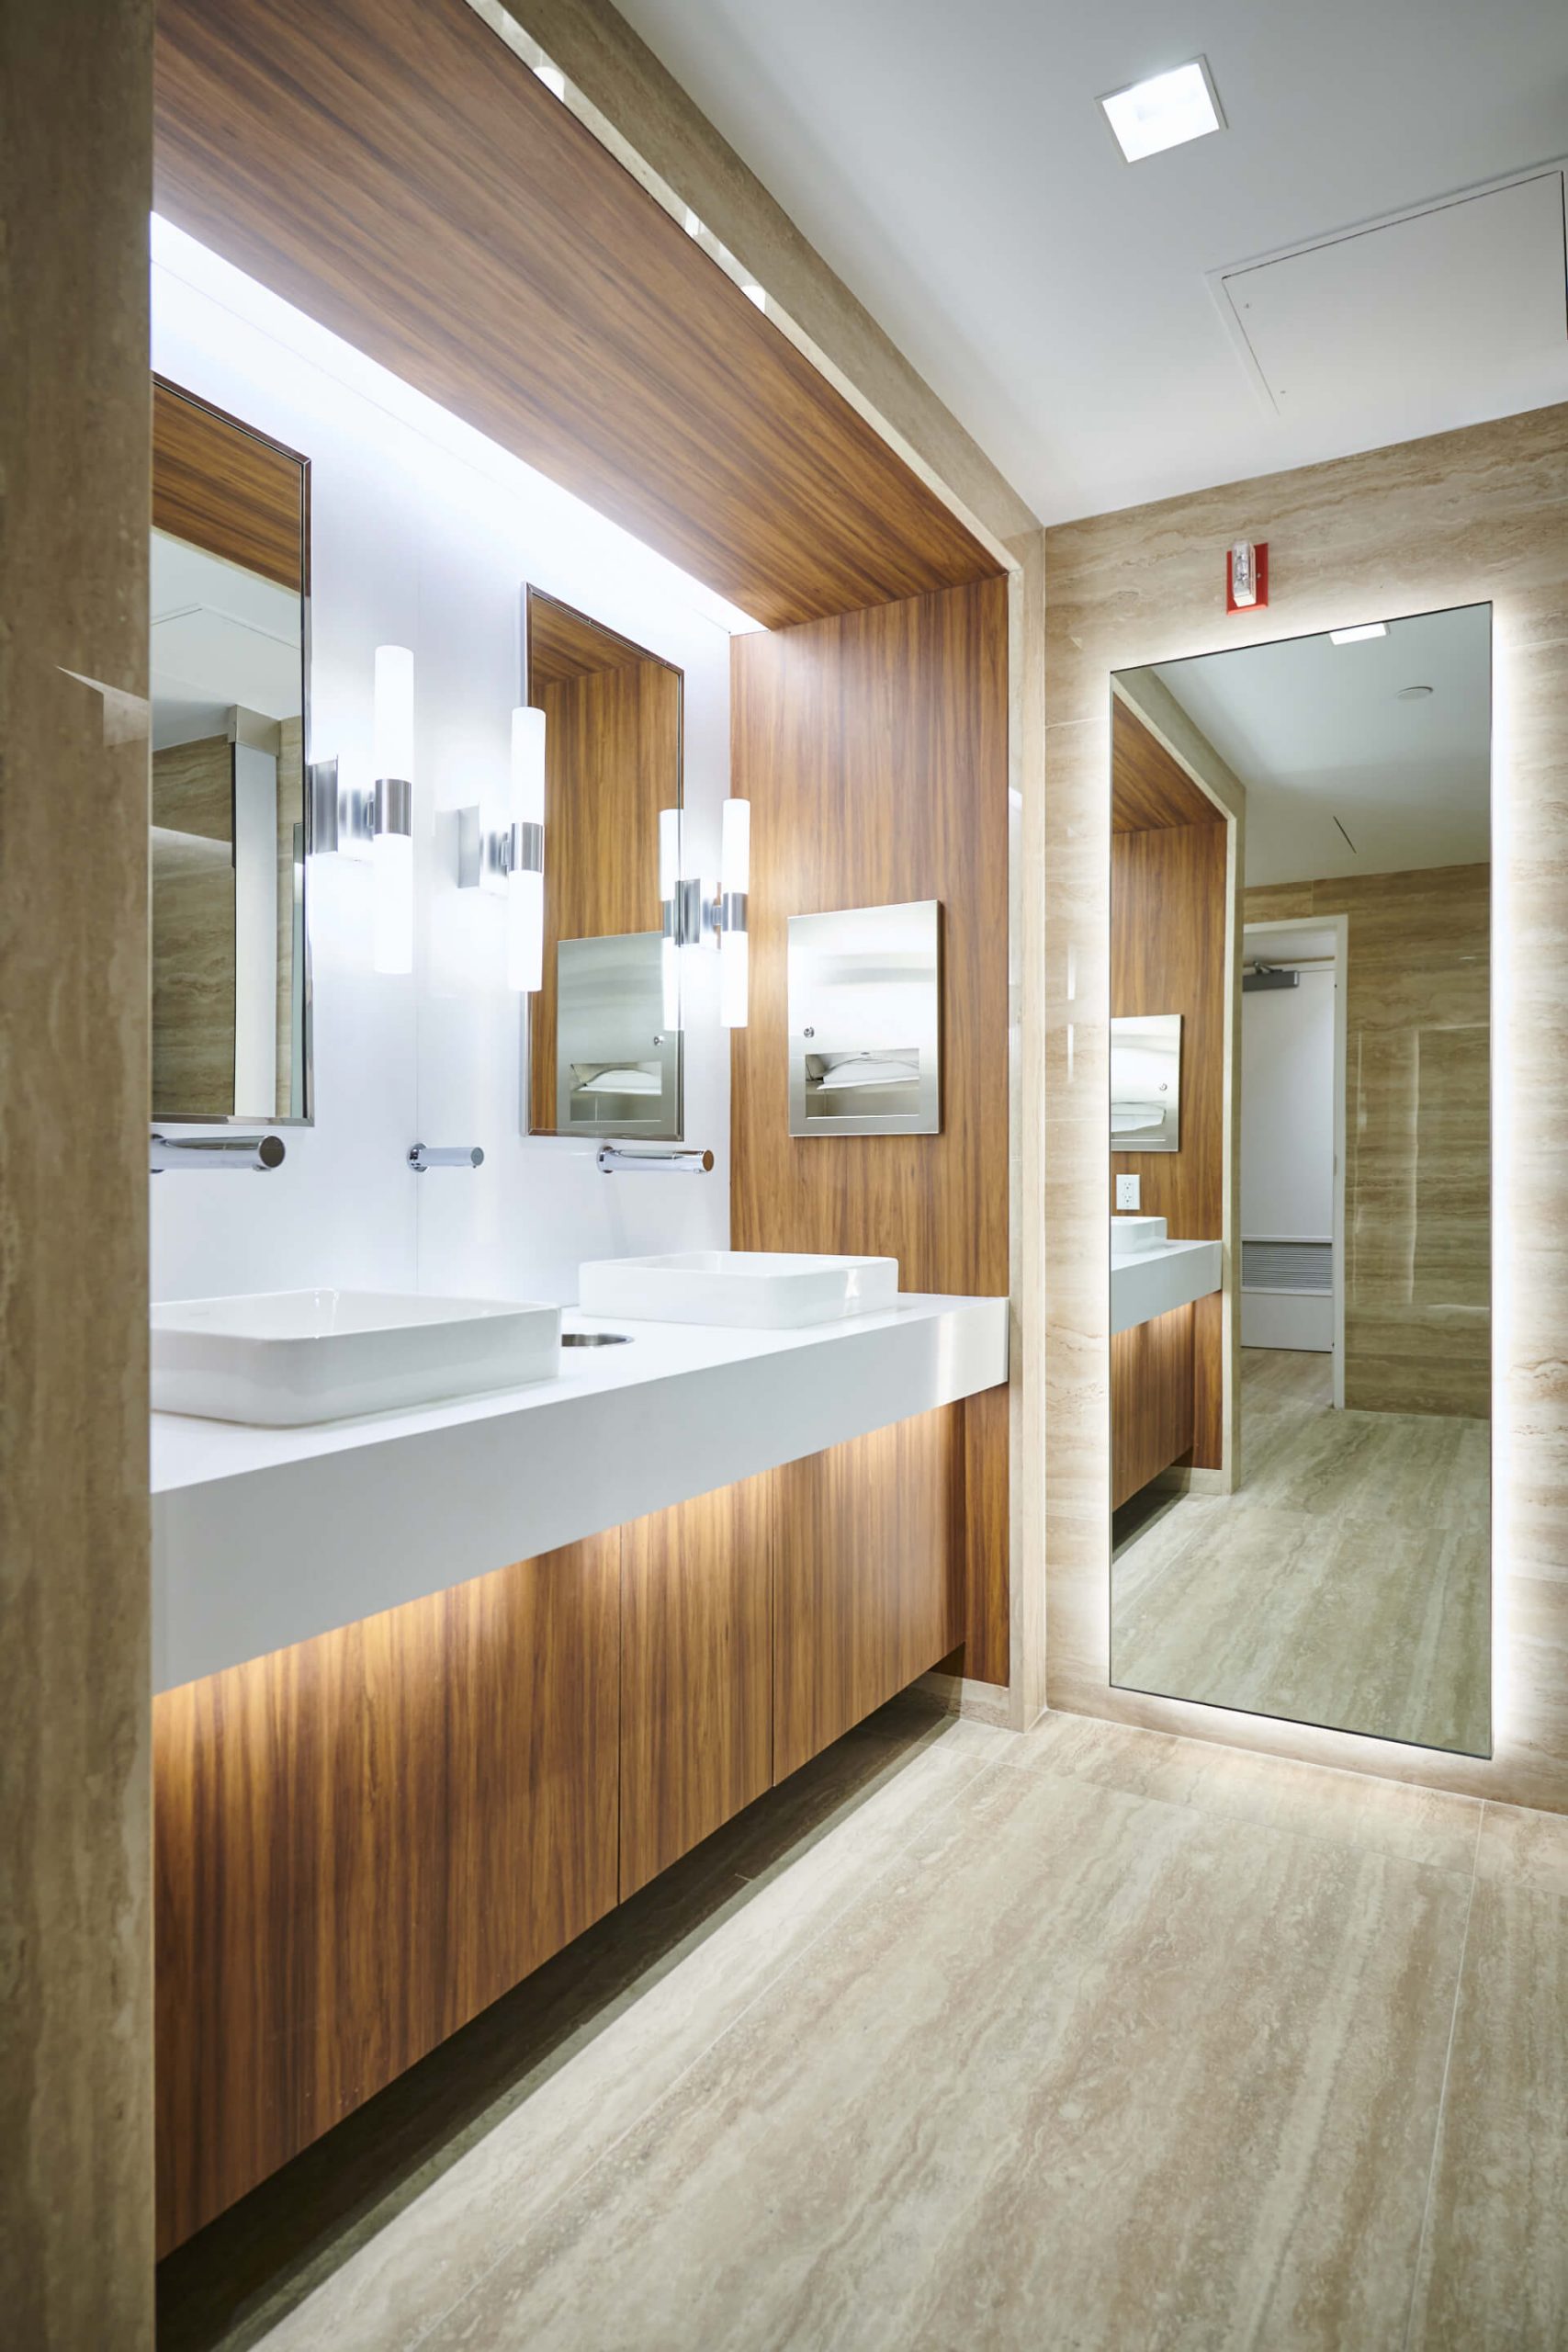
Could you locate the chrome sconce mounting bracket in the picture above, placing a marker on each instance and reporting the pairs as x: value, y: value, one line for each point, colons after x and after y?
x: 340, y: 817
x: 343, y: 817
x: 699, y: 913
x: 485, y: 856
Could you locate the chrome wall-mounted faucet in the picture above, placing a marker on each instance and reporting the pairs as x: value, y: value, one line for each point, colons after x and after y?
x: 200, y: 1153
x: 446, y: 1155
x: 653, y: 1159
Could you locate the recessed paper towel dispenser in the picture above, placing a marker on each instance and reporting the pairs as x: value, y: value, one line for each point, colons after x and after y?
x: 865, y: 1022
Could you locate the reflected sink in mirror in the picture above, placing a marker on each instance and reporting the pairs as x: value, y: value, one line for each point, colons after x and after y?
x: 283, y: 1358
x: 1132, y: 1235
x: 757, y: 1290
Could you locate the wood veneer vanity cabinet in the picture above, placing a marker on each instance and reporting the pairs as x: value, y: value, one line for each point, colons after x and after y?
x: 1152, y: 1421
x: 363, y: 1840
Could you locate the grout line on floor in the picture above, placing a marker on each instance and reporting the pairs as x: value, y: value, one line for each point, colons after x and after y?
x: 862, y: 1892
x: 1252, y: 1755
x: 1443, y: 2090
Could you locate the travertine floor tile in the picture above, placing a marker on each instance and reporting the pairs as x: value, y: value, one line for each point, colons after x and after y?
x: 572, y: 2059
x: 1391, y: 1817
x: 1347, y: 1582
x: 1081, y: 2069
x: 1494, y: 2272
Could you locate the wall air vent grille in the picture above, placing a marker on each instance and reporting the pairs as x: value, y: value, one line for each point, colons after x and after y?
x: 1303, y: 1268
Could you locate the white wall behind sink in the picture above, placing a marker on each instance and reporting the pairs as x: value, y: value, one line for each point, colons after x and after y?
x: 422, y: 534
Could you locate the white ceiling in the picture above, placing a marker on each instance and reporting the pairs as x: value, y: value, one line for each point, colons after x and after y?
x: 952, y: 165
x: 1317, y: 732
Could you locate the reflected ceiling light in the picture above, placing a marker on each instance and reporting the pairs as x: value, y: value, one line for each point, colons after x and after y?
x: 1413, y: 693
x: 754, y: 293
x: 1164, y: 112
x: 391, y: 841
x: 1358, y: 636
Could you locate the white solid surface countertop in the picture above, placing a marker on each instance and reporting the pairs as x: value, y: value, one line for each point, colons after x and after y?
x: 262, y: 1537
x: 1147, y: 1282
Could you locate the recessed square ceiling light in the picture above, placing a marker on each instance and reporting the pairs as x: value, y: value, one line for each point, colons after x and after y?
x: 1164, y: 112
x: 1358, y: 636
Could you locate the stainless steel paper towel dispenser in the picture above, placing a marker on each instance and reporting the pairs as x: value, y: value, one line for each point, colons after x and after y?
x: 865, y: 1022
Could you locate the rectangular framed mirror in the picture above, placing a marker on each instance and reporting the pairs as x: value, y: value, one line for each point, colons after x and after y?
x: 230, y: 671
x: 1301, y: 1359
x: 603, y: 1060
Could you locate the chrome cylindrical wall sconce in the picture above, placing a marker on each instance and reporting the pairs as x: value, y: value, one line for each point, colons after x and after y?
x: 511, y: 860
x: 391, y: 841
x: 734, y: 943
x: 697, y: 913
x: 525, y: 855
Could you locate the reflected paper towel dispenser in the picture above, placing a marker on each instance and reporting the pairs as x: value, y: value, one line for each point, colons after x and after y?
x: 617, y: 1070
x: 865, y: 1022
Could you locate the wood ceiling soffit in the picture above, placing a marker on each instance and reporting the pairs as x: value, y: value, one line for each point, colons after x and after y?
x: 393, y: 169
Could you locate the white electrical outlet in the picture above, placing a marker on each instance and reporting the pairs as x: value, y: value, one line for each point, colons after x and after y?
x: 1127, y: 1192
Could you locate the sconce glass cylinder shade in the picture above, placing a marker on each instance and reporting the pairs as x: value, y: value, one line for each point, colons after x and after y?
x: 734, y: 945
x: 391, y: 844
x: 670, y: 903
x: 525, y: 867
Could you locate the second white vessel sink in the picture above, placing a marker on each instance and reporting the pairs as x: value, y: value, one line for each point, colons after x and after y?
x: 758, y: 1290
x: 282, y: 1358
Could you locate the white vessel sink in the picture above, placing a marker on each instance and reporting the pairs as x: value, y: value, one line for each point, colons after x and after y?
x: 285, y: 1357
x: 760, y: 1290
x: 1130, y: 1236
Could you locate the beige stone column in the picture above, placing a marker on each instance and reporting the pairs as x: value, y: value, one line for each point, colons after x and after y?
x: 76, y: 1931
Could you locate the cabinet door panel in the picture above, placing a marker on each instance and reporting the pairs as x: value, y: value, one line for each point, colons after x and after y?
x: 361, y: 1841
x: 696, y: 1682
x: 1151, y: 1400
x: 868, y: 1577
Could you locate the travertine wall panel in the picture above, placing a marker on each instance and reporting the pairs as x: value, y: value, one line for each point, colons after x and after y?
x: 75, y: 1934
x: 1417, y: 1133
x: 1464, y: 517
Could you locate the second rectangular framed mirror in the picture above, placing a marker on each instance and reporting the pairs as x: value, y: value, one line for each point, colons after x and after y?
x: 602, y: 1061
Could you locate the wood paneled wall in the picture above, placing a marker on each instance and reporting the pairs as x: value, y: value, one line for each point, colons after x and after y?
x: 613, y: 762
x: 1417, y: 1133
x: 227, y: 490
x: 457, y: 222
x: 1465, y: 516
x: 1167, y: 932
x: 1148, y: 786
x: 1168, y: 923
x: 364, y: 1839
x: 874, y: 750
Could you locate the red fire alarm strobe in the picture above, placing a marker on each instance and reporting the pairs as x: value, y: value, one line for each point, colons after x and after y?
x: 1246, y: 576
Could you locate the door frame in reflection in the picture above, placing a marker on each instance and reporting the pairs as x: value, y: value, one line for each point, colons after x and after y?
x: 1339, y: 927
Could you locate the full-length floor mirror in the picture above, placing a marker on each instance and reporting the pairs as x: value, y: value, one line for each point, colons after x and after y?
x: 1301, y: 1286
